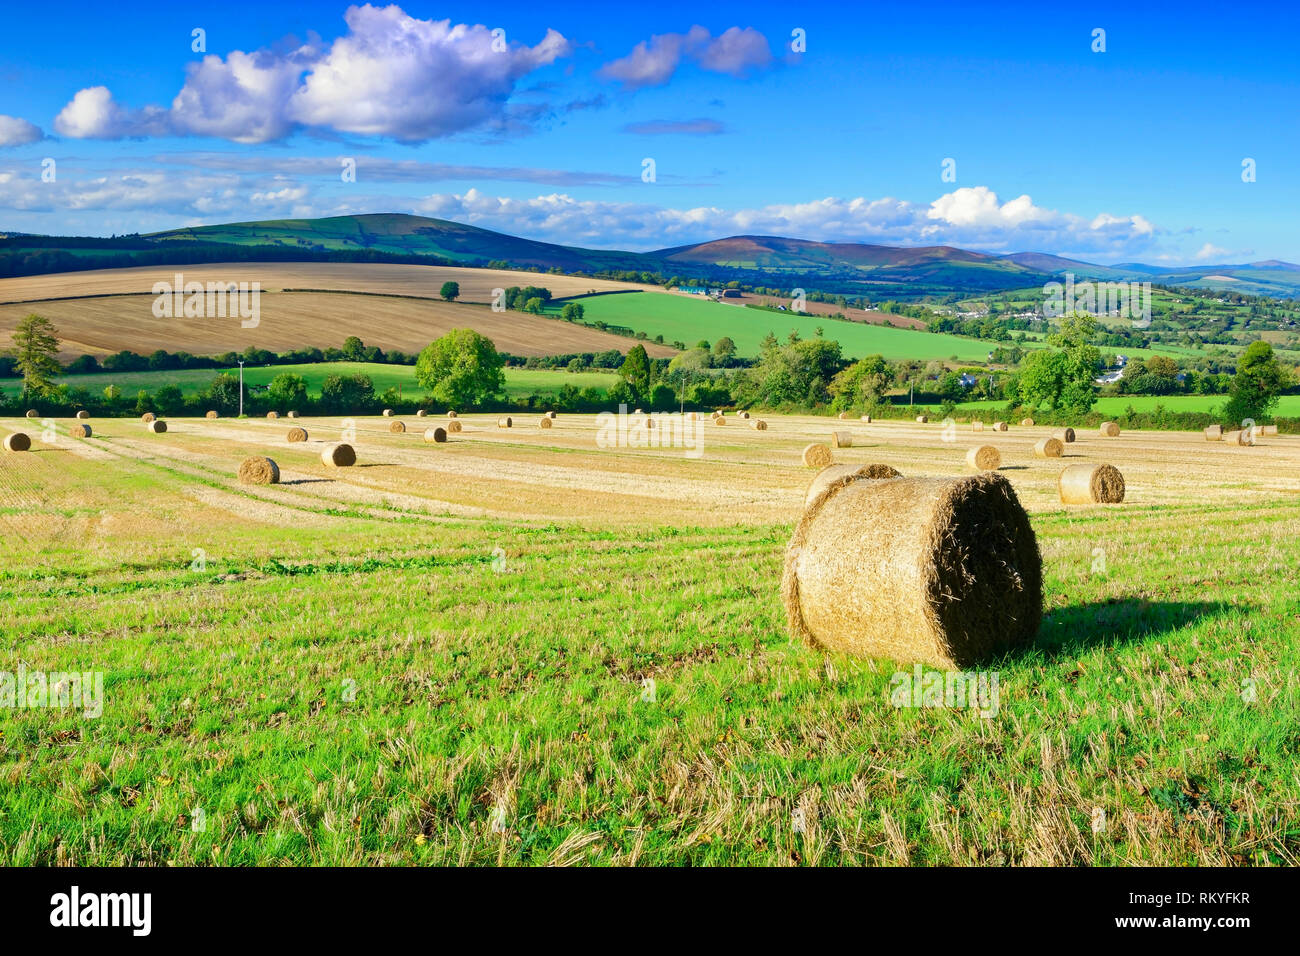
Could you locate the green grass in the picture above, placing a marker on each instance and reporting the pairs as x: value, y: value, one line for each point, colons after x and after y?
x: 519, y: 381
x: 1288, y: 405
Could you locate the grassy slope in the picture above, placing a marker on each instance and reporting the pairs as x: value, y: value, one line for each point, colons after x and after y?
x: 523, y: 689
x: 1288, y: 405
x: 519, y: 381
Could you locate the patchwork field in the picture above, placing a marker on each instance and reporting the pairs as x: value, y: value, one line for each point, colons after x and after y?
x: 520, y: 647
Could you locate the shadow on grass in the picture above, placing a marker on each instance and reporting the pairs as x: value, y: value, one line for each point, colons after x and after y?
x: 1074, y: 629
x: 308, y: 481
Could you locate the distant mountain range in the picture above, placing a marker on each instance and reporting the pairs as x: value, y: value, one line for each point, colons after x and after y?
x: 842, y: 267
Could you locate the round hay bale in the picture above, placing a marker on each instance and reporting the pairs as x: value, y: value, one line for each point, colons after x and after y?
x: 551, y: 415
x: 1268, y: 429
x: 435, y: 434
x: 1109, y: 430
x: 17, y: 441
x: 720, y: 420
x: 1049, y: 448
x: 212, y: 414
x: 692, y: 416
x: 1027, y: 422
x: 388, y: 413
x: 292, y: 414
x: 338, y: 455
x: 1239, y: 436
x: 506, y: 422
x: 296, y: 434
x: 844, y: 416
x: 419, y: 413
x: 944, y: 571
x: 744, y: 414
x: 977, y: 426
x: 397, y: 427
x: 32, y: 413
x: 922, y: 419
x: 257, y: 470
x: 451, y: 414
x: 272, y: 414
x: 83, y: 414
x: 1064, y: 435
x: 758, y: 425
x: 984, y: 458
x: 715, y: 414
x: 79, y: 431
x: 453, y: 426
x: 817, y: 455
x: 841, y: 440
x: 157, y: 426
x: 823, y: 478
x: 147, y: 417
x: 1214, y: 433
x: 1086, y: 484
x: 999, y: 426
x: 866, y: 418
x: 545, y: 422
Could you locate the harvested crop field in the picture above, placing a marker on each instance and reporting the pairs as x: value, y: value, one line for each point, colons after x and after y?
x: 534, y: 645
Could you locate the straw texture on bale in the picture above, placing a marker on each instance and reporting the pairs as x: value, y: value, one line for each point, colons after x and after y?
x: 977, y: 426
x: 451, y: 414
x: 550, y: 415
x: 83, y: 414
x: 638, y: 412
x: 272, y: 414
x: 1049, y: 448
x: 1065, y: 435
x: 1268, y: 429
x: 32, y: 413
x: 922, y: 419
x: 758, y: 425
x: 1027, y: 422
x: 866, y: 418
x: 397, y: 427
x: 157, y: 426
x: 944, y: 571
x: 817, y: 455
x: 292, y: 414
x: 79, y: 431
x: 744, y: 414
x: 504, y: 423
x: 388, y: 413
x: 454, y: 426
x: 720, y: 420
x: 841, y: 440
x: 212, y: 414
x: 147, y: 417
x: 999, y: 426
x: 297, y: 434
x: 1214, y: 433
x: 844, y: 416
x: 435, y: 434
x: 257, y: 470
x: 1238, y: 436
x: 984, y: 458
x: 823, y: 478
x: 1086, y: 484
x: 338, y: 455
x: 17, y: 441
x: 545, y: 422
x: 1109, y: 429
x: 420, y: 413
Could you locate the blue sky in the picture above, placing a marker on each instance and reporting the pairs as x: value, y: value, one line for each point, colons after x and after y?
x: 1134, y: 153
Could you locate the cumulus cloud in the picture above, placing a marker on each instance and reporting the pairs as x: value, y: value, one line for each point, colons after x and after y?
x: 1210, y: 251
x: 735, y: 52
x: 695, y: 127
x: 15, y: 131
x: 390, y: 75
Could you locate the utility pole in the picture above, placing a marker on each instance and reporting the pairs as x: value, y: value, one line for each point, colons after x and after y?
x: 241, y: 388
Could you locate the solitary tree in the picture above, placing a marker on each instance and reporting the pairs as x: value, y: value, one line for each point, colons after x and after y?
x: 450, y: 290
x: 636, y: 371
x: 461, y: 368
x: 1255, y: 387
x: 35, y: 350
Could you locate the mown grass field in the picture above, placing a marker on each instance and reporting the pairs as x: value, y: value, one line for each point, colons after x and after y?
x: 1288, y: 406
x: 444, y: 655
x: 520, y: 382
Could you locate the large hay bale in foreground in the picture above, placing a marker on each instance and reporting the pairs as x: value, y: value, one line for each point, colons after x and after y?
x: 1214, y: 433
x: 1239, y: 436
x: 758, y: 425
x: 999, y: 426
x: 1087, y: 484
x: 822, y: 480
x: 1027, y: 422
x: 841, y: 440
x: 1049, y: 448
x: 338, y: 455
x: 147, y: 417
x: 817, y: 455
x: 397, y: 427
x: 944, y: 571
x: 1064, y: 435
x: 545, y: 422
x: 32, y: 413
x: 272, y: 415
x: 506, y: 422
x: 435, y: 434
x: 922, y: 419
x: 454, y: 426
x: 1109, y: 430
x: 297, y: 434
x: 257, y: 470
x: 83, y: 414
x: 157, y: 426
x: 984, y: 458
x: 212, y: 414
x: 79, y: 430
x: 17, y: 441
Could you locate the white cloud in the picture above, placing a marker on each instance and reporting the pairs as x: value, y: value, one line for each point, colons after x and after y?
x: 652, y: 63
x: 1210, y: 251
x: 15, y: 131
x: 390, y: 75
